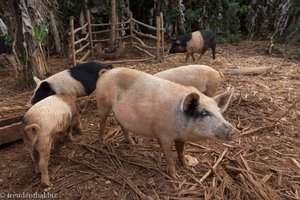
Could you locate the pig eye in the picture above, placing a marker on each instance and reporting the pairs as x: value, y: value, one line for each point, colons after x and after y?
x: 204, y: 113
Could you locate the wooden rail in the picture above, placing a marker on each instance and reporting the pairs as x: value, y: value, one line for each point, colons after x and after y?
x: 82, y: 48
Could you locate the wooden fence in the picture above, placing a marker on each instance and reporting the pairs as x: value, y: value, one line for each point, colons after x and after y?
x: 82, y: 45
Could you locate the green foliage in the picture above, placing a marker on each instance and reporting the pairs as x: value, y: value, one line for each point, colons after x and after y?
x: 9, y: 39
x: 171, y: 14
x: 191, y: 17
x: 68, y: 8
x: 40, y: 31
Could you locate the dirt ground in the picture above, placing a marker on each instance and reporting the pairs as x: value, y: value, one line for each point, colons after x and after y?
x: 264, y: 164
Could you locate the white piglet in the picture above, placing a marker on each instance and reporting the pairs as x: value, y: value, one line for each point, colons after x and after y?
x: 44, y: 122
x: 202, y: 77
x: 158, y: 108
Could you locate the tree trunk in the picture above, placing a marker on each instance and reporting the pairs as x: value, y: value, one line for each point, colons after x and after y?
x: 55, y: 33
x: 25, y: 48
x: 181, y: 20
x: 113, y: 26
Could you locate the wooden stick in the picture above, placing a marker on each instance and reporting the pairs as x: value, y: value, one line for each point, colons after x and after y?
x: 122, y: 61
x: 83, y: 58
x: 256, y: 129
x: 248, y: 71
x: 144, y: 51
x: 158, y: 38
x: 214, y: 166
x: 82, y: 48
x: 82, y: 39
x: 295, y: 162
x: 142, y: 43
x: 80, y: 28
x: 72, y: 40
x: 146, y: 25
x: 144, y: 35
x: 88, y: 16
x: 162, y: 34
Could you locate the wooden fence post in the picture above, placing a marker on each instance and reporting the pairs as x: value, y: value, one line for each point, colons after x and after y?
x: 131, y: 28
x: 88, y: 16
x: 158, y: 38
x: 72, y: 40
x: 162, y: 35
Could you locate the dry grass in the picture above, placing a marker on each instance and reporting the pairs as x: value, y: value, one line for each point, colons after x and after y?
x: 264, y: 164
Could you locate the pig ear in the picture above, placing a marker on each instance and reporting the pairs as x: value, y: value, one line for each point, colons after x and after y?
x: 36, y: 80
x: 224, y: 99
x: 177, y: 42
x: 190, y: 103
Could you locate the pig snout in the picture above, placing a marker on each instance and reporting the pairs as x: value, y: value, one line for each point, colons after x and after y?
x: 226, y: 132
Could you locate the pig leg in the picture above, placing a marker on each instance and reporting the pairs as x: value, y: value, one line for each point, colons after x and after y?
x: 166, y: 146
x: 127, y: 135
x: 76, y: 124
x: 35, y: 159
x: 193, y: 56
x: 103, y: 113
x: 187, y: 56
x: 43, y: 164
x: 213, y: 49
x: 70, y: 136
x: 180, y: 151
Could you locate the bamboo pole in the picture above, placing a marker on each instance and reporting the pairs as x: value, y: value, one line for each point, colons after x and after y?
x: 88, y: 16
x: 72, y: 40
x: 158, y: 38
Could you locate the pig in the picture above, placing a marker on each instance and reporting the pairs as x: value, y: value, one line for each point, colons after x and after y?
x: 158, y: 108
x: 43, y: 123
x: 202, y: 77
x: 195, y: 42
x: 79, y: 80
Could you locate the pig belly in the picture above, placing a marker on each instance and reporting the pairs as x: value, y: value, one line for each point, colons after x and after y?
x: 134, y: 120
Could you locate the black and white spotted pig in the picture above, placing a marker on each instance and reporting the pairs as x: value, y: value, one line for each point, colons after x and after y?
x: 79, y: 80
x: 158, y: 108
x: 45, y: 121
x: 195, y: 42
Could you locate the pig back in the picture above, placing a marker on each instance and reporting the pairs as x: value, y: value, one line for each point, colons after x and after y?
x: 64, y: 83
x: 52, y: 114
x: 202, y: 77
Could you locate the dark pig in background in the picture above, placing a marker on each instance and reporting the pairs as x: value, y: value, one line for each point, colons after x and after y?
x: 79, y: 80
x: 195, y: 42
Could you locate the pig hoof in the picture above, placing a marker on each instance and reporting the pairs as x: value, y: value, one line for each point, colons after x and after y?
x: 78, y: 130
x: 174, y: 176
x: 47, y: 189
x: 71, y: 138
x: 47, y: 185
